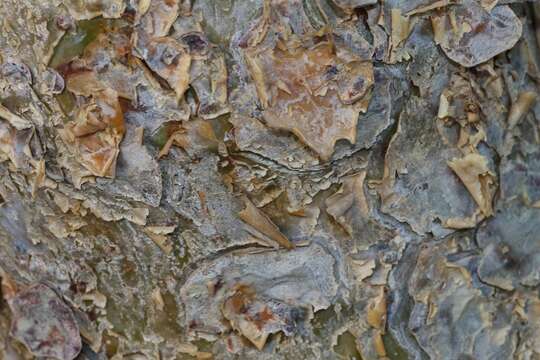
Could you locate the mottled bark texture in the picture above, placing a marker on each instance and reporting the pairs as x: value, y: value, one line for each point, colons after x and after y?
x: 269, y: 179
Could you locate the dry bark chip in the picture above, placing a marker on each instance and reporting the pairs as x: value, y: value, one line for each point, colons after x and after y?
x: 14, y: 145
x: 448, y: 303
x: 349, y: 203
x: 97, y: 132
x: 44, y: 323
x: 471, y: 35
x: 15, y: 120
x: 208, y: 76
x: 104, y: 64
x: 401, y: 29
x: 307, y: 88
x: 279, y: 285
x: 521, y: 107
x: 418, y: 186
x: 192, y: 136
x: 170, y: 60
x: 252, y: 135
x: 473, y: 171
x: 256, y: 318
x: 257, y: 219
x: 376, y: 312
x: 158, y: 16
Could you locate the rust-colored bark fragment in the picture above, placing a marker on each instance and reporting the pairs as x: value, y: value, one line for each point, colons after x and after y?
x: 299, y: 92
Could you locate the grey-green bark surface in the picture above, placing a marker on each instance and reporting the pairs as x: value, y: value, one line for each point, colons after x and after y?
x: 269, y: 179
